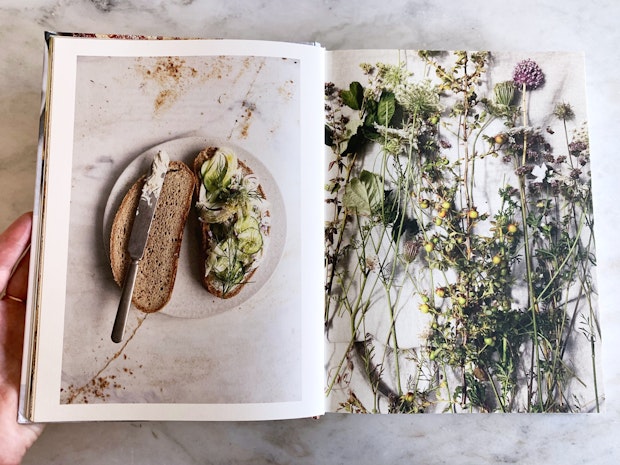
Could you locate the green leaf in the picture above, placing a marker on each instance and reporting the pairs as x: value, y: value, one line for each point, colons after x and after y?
x: 371, y: 113
x: 355, y: 143
x: 374, y: 189
x: 386, y: 108
x: 353, y: 97
x: 370, y: 133
x: 356, y: 197
x: 364, y: 194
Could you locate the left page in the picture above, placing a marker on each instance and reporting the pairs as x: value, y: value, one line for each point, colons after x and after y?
x: 112, y: 104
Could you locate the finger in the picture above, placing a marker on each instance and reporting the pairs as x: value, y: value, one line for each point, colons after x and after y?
x: 18, y: 283
x: 13, y: 243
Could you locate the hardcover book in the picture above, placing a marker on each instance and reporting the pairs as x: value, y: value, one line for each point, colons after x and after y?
x: 363, y: 231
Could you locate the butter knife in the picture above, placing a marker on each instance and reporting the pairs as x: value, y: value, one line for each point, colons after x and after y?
x: 138, y: 237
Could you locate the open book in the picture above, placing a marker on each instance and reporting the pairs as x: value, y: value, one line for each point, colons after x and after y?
x: 384, y: 231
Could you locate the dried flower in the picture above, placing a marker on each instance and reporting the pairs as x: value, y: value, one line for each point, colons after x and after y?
x: 504, y: 92
x: 393, y: 76
x: 419, y: 98
x: 445, y: 144
x: 564, y: 111
x: 410, y: 250
x: 575, y: 148
x: 535, y: 187
x: 574, y: 174
x: 524, y: 170
x: 367, y: 68
x: 372, y: 263
x: 528, y: 73
x: 330, y: 89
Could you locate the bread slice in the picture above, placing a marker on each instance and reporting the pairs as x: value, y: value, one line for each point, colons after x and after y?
x: 158, y: 267
x: 207, y: 241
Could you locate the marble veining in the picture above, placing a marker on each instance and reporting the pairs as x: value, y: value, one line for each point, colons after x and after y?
x: 336, y: 438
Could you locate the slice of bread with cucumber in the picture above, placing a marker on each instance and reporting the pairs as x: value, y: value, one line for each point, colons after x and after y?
x: 234, y: 220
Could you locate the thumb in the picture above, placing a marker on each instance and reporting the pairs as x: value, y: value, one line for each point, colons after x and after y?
x: 13, y: 243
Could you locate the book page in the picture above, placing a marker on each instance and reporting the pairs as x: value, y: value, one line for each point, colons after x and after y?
x: 114, y: 104
x: 460, y: 253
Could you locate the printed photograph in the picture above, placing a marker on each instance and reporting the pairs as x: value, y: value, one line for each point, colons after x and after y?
x: 460, y: 254
x: 185, y: 174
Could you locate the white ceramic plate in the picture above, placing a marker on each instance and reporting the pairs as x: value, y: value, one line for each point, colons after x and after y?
x: 189, y: 298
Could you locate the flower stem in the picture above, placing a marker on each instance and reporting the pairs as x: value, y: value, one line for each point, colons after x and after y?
x: 532, y: 300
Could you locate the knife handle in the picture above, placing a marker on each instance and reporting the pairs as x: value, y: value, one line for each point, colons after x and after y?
x: 125, y: 303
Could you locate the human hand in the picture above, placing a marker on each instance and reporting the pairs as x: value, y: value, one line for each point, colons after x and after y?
x: 15, y: 439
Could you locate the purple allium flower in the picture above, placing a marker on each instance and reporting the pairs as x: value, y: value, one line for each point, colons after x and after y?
x: 529, y: 73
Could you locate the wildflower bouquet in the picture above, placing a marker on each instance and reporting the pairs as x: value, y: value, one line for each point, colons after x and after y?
x: 459, y: 235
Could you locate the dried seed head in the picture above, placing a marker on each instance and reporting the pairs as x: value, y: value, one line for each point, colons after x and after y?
x: 504, y: 92
x: 410, y: 250
x: 564, y: 111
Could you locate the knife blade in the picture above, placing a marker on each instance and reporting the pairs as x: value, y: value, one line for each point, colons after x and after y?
x: 138, y: 237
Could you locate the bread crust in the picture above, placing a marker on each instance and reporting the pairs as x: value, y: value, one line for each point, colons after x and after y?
x: 209, y: 281
x: 159, y: 264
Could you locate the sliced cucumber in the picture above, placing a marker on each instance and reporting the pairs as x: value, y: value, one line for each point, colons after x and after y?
x: 250, y: 241
x: 246, y: 222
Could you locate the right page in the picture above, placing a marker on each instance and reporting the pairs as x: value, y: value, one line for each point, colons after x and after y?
x: 460, y: 261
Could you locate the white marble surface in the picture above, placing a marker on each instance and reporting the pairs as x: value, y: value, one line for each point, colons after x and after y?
x: 499, y: 25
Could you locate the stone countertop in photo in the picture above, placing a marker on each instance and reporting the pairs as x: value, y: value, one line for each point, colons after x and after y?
x: 338, y: 438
